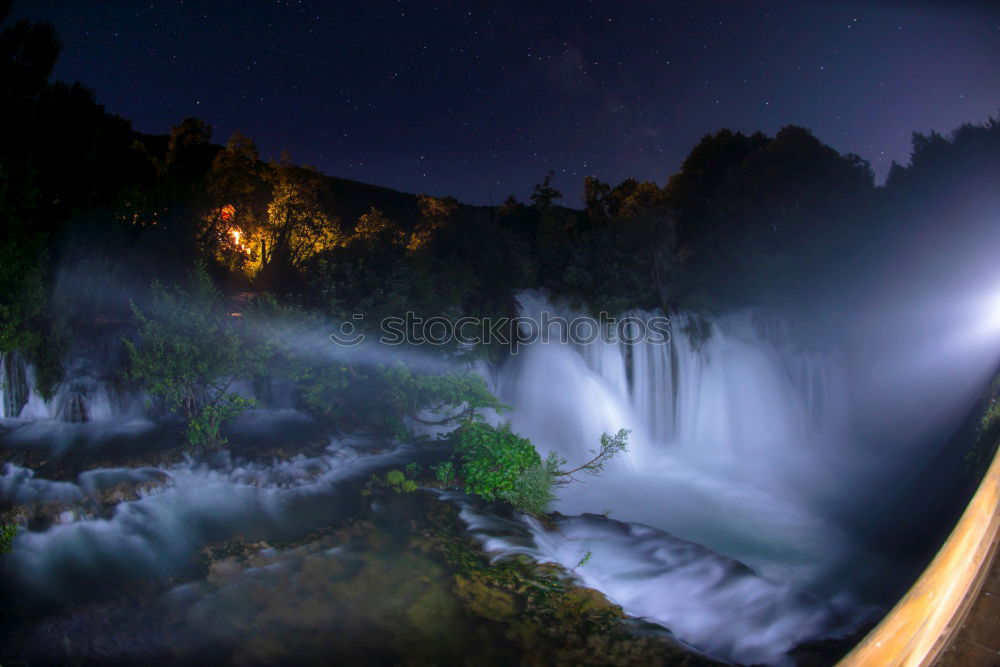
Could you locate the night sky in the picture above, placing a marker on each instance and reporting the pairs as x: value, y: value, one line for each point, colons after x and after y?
x: 481, y: 99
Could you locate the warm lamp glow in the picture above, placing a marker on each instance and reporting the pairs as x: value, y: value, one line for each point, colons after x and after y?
x: 237, y: 237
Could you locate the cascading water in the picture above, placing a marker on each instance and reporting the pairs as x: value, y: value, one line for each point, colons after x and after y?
x: 89, y: 391
x: 734, y: 435
x: 15, y: 386
x: 730, y: 435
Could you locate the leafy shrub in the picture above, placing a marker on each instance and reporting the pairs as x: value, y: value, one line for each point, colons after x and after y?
x: 189, y: 352
x: 7, y: 534
x: 396, y: 481
x: 444, y: 472
x: 532, y: 491
x: 203, y: 430
x: 492, y: 458
x: 498, y: 464
x: 455, y: 395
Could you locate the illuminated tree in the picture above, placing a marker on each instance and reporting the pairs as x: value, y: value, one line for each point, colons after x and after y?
x: 239, y: 203
x: 298, y: 226
x: 374, y: 225
x: 434, y: 213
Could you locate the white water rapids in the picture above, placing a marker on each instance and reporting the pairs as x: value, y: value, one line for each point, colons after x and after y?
x: 736, y: 444
x: 739, y: 452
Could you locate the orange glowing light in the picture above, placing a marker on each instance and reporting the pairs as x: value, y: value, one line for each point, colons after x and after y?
x: 236, y: 236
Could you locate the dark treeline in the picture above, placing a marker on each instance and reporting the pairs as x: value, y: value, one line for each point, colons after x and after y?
x: 92, y: 211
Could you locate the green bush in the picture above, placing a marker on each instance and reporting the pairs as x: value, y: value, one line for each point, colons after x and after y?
x: 395, y: 478
x: 444, y: 472
x: 532, y: 492
x: 492, y: 458
x: 455, y: 395
x: 7, y: 534
x: 396, y: 481
x: 203, y: 430
x: 188, y: 353
x: 497, y: 464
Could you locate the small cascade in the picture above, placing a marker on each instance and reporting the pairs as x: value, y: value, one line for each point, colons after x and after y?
x: 652, y: 388
x: 15, y: 388
x: 88, y: 392
x: 709, y: 601
x: 84, y: 398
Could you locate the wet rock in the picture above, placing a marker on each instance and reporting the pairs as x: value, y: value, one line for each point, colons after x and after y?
x: 402, y: 583
x: 130, y: 490
x: 40, y: 516
x: 95, y: 496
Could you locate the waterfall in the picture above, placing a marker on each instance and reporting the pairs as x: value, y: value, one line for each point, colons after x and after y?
x: 732, y: 437
x: 745, y: 391
x: 87, y: 393
x: 15, y: 384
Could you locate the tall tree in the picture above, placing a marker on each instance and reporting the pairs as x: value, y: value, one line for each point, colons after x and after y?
x: 298, y: 223
x: 238, y: 211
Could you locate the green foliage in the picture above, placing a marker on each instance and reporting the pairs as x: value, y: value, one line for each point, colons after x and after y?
x: 493, y: 459
x: 991, y: 418
x: 532, y: 492
x: 47, y: 357
x: 455, y: 395
x: 444, y: 472
x: 987, y: 438
x: 630, y: 255
x: 395, y: 480
x: 586, y: 559
x: 189, y: 352
x: 497, y: 464
x: 7, y: 534
x: 611, y: 446
x: 301, y: 350
x: 22, y: 293
x: 324, y: 387
x: 203, y: 430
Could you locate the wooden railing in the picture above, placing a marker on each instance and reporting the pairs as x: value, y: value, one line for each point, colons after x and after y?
x: 931, y: 613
